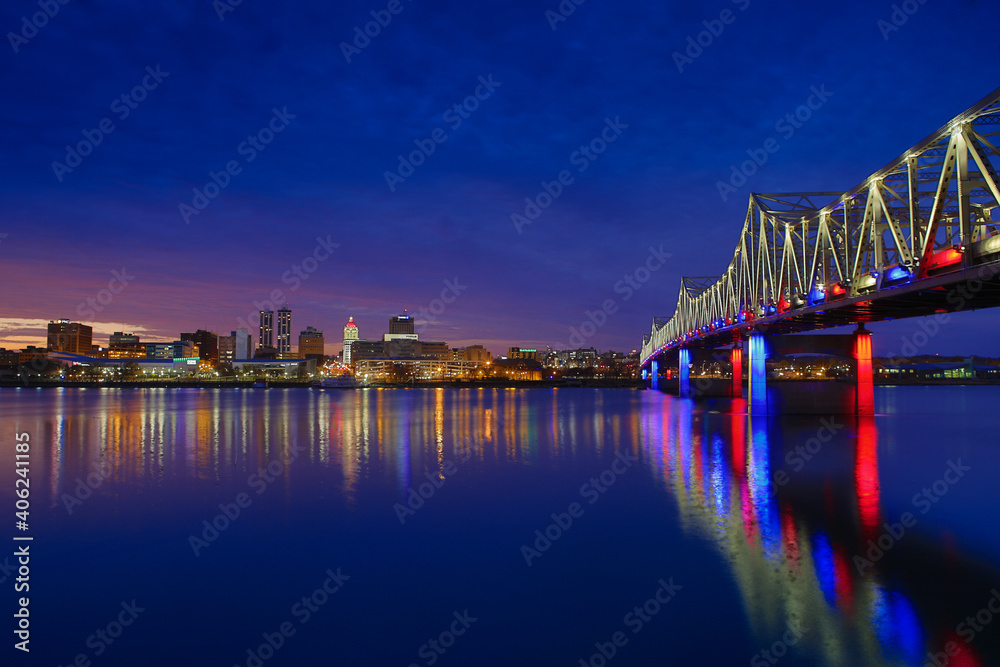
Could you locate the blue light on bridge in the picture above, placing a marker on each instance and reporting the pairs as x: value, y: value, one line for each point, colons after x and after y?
x: 817, y: 295
x: 897, y: 273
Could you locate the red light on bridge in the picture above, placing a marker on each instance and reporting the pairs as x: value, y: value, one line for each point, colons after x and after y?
x: 838, y: 289
x: 942, y: 260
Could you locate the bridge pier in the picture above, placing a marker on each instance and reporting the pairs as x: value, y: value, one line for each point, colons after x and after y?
x: 865, y: 392
x: 684, y: 373
x: 736, y: 358
x: 654, y: 374
x: 758, y: 374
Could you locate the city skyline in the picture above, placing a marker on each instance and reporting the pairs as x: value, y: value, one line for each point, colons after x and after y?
x: 238, y: 167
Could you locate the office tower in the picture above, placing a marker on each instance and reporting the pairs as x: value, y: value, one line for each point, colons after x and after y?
x: 265, y: 338
x: 311, y: 344
x: 207, y: 342
x: 227, y: 348
x: 350, y: 335
x: 125, y: 346
x: 70, y: 337
x: 244, y: 344
x: 284, y: 342
x: 401, y: 324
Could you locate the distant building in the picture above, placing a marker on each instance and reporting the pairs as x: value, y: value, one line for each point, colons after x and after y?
x: 476, y: 354
x: 207, y: 342
x: 350, y: 335
x: 184, y: 349
x: 227, y: 349
x: 159, y: 350
x: 521, y: 353
x: 311, y: 344
x: 265, y: 335
x: 401, y: 324
x: 125, y: 346
x: 244, y: 343
x: 71, y: 337
x: 284, y: 339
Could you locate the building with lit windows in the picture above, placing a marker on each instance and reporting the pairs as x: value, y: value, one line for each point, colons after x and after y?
x: 521, y: 353
x: 265, y: 334
x: 350, y: 335
x: 311, y: 344
x: 284, y: 338
x: 207, y: 342
x: 71, y: 337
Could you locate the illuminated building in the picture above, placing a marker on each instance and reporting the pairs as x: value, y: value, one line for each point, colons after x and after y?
x: 125, y: 346
x: 71, y: 337
x: 227, y: 348
x: 521, y: 353
x: 311, y: 344
x: 350, y: 335
x: 265, y: 336
x: 207, y: 342
x: 284, y: 343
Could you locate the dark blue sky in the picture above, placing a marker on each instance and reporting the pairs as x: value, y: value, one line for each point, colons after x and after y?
x: 324, y: 173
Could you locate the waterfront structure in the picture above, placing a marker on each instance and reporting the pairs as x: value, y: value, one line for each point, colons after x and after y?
x: 311, y: 344
x: 287, y: 368
x: 517, y: 369
x: 284, y: 337
x: 70, y: 337
x: 416, y: 370
x: 265, y: 332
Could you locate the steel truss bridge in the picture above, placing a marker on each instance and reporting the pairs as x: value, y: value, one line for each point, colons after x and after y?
x: 916, y: 237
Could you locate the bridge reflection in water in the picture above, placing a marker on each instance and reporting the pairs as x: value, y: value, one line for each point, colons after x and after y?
x: 800, y: 520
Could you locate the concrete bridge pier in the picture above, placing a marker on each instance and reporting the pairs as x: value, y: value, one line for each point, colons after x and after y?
x: 736, y: 359
x: 654, y: 374
x: 758, y: 374
x: 865, y: 388
x: 684, y: 373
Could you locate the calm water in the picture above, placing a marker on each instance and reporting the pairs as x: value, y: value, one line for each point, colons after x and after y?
x: 687, y: 533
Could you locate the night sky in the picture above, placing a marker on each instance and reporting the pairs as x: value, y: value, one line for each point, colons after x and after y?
x: 310, y: 117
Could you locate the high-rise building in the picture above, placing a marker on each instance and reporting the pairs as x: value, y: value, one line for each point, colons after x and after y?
x: 265, y: 337
x: 227, y: 349
x: 401, y: 324
x: 284, y: 341
x: 521, y: 353
x: 311, y: 344
x: 350, y: 335
x: 244, y: 344
x: 70, y: 337
x: 207, y: 342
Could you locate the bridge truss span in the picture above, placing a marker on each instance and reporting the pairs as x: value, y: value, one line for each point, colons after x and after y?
x: 890, y: 247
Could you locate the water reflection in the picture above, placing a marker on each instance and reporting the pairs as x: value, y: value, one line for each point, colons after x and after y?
x: 793, y: 539
x: 789, y: 513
